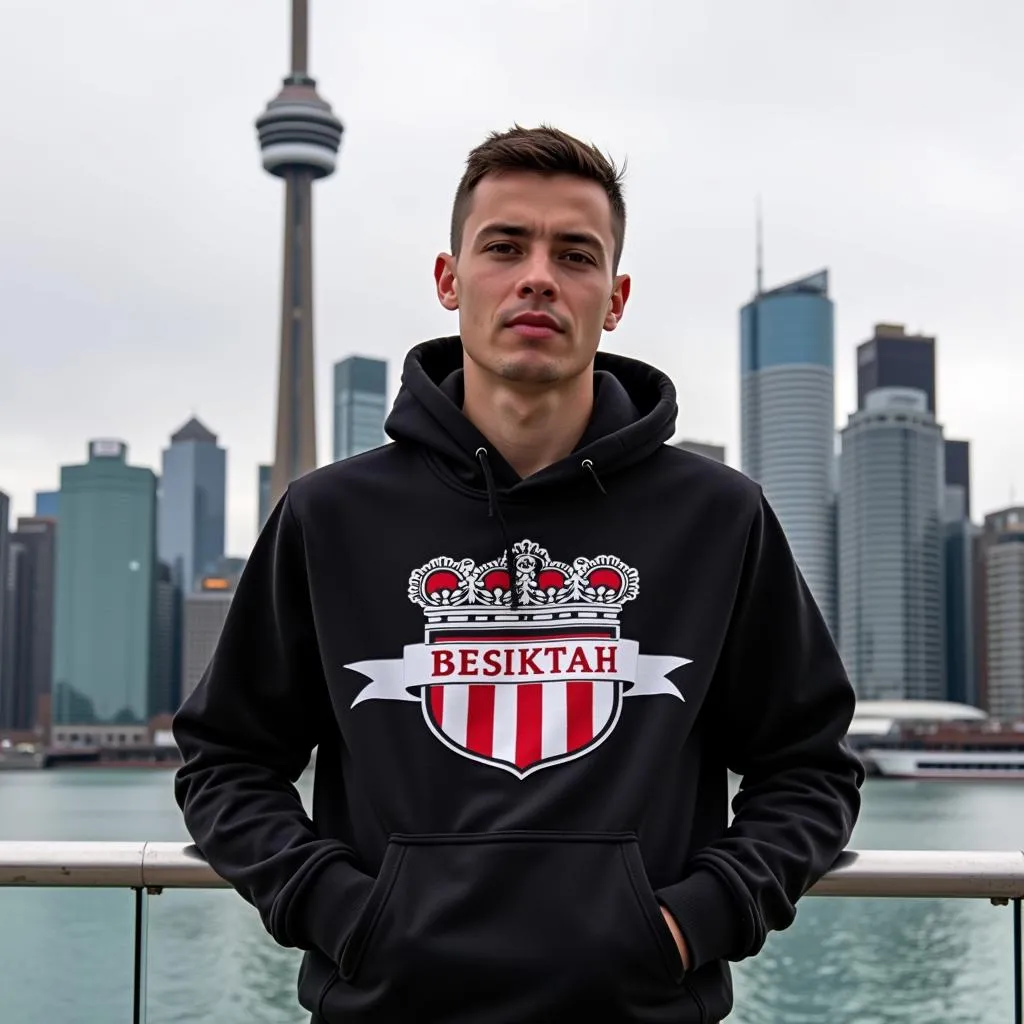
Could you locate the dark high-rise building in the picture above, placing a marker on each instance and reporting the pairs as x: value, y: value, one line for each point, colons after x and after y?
x: 360, y: 405
x: 105, y: 608
x: 959, y: 599
x: 263, y: 496
x: 895, y: 359
x: 958, y: 470
x: 165, y: 670
x: 299, y: 137
x: 190, y: 517
x: 28, y: 649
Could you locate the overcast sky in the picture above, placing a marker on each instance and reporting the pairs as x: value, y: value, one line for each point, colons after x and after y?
x: 140, y: 241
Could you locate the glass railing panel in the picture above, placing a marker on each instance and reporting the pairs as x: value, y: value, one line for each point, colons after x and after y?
x: 210, y: 959
x: 66, y: 955
x: 875, y: 961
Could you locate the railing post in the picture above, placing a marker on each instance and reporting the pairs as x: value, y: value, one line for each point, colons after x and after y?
x: 139, y: 959
x: 1018, y: 966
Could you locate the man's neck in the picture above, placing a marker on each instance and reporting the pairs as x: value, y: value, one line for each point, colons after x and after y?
x: 532, y: 427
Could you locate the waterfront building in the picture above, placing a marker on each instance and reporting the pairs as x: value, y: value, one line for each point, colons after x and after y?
x: 709, y: 451
x: 299, y: 137
x: 788, y: 421
x: 892, y: 358
x: 891, y: 512
x: 263, y: 495
x: 206, y: 610
x: 105, y: 607
x: 167, y: 629
x: 47, y: 504
x: 1003, y: 635
x: 360, y: 405
x: 28, y: 646
x: 958, y: 598
x: 958, y: 470
x: 190, y: 513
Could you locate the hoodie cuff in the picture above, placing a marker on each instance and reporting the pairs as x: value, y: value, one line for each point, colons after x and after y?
x: 324, y: 911
x: 709, y: 917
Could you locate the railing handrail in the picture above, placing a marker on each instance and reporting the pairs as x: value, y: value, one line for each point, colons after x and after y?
x: 936, y: 874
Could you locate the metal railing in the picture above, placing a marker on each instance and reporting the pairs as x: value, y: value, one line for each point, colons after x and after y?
x: 149, y: 868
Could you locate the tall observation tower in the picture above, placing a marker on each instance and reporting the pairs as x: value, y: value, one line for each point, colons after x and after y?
x: 299, y: 136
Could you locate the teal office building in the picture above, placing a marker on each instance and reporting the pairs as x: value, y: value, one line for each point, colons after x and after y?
x: 105, y: 602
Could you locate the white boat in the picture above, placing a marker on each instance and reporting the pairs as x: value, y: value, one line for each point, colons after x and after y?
x: 939, y: 763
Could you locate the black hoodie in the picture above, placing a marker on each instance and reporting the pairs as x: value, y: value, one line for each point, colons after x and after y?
x: 525, y: 695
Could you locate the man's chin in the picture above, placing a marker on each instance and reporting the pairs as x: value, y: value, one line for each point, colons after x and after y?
x: 530, y: 371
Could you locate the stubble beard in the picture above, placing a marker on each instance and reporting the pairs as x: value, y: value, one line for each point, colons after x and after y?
x: 520, y: 373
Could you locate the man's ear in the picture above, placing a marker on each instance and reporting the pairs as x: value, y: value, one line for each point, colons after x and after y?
x: 444, y: 279
x: 617, y: 303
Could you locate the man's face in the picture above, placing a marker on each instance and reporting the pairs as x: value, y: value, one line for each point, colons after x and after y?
x: 533, y: 280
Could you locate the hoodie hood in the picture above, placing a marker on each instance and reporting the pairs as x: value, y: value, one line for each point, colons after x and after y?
x: 634, y: 414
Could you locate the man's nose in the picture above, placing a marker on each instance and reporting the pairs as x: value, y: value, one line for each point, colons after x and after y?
x: 538, y: 279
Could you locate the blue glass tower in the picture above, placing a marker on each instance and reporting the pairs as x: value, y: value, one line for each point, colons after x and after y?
x: 788, y: 421
x: 191, y: 515
x: 360, y: 405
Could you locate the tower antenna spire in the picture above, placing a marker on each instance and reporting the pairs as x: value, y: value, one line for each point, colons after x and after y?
x: 760, y: 247
x: 300, y: 36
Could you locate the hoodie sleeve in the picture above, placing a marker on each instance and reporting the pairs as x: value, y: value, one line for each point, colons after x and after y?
x: 782, y: 705
x: 246, y: 734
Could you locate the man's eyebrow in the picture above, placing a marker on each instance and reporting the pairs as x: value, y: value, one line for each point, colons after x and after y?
x: 508, y: 230
x: 518, y: 231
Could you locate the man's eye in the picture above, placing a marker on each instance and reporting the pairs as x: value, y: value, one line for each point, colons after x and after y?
x: 578, y: 257
x: 502, y: 248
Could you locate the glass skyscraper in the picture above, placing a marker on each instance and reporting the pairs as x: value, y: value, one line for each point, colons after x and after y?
x: 958, y: 587
x: 895, y: 359
x: 787, y: 408
x: 27, y: 652
x: 105, y: 609
x: 1000, y: 612
x: 191, y: 509
x: 360, y: 405
x: 891, y: 548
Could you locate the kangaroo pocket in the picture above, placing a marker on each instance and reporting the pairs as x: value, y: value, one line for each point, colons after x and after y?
x: 513, y: 926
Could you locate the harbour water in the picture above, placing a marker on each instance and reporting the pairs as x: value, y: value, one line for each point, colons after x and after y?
x: 66, y: 955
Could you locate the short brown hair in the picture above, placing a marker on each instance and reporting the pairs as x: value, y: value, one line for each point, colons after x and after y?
x: 545, y: 150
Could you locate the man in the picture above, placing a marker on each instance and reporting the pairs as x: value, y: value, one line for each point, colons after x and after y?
x: 528, y: 639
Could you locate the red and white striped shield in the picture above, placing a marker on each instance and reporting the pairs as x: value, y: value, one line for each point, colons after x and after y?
x: 522, y: 727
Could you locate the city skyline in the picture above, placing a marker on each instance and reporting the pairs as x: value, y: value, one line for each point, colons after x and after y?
x: 906, y: 188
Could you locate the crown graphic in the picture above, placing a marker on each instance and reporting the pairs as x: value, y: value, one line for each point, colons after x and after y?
x: 604, y: 582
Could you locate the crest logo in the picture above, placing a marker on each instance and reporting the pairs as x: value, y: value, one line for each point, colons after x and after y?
x: 526, y: 688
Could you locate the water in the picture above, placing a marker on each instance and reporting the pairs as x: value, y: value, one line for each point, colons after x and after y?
x: 66, y: 955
